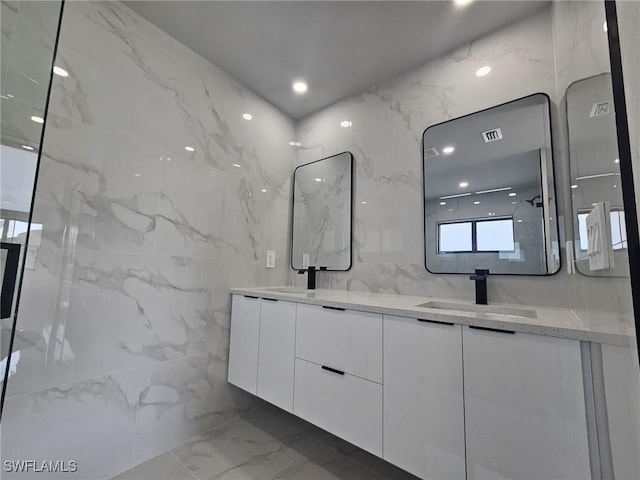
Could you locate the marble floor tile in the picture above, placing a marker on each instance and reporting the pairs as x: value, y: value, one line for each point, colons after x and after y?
x: 323, y: 463
x: 162, y: 467
x: 255, y: 446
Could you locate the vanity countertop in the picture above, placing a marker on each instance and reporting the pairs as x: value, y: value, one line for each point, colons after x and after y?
x: 555, y: 322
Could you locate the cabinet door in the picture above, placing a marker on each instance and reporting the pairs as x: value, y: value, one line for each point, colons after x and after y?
x: 622, y: 391
x: 276, y: 352
x: 423, y: 400
x: 347, y: 406
x: 243, y: 343
x: 343, y: 339
x: 524, y: 407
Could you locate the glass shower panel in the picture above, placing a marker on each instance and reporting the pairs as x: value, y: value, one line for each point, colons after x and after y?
x: 29, y: 36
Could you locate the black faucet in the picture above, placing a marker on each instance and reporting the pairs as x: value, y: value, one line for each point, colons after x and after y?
x: 311, y: 276
x: 480, y: 278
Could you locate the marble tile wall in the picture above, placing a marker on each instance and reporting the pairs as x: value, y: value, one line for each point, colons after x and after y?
x: 537, y: 54
x: 141, y: 241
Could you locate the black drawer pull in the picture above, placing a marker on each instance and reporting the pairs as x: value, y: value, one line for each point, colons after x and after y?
x: 324, y: 367
x: 492, y: 329
x: 270, y: 299
x: 438, y: 322
x: 334, y: 308
x: 251, y: 296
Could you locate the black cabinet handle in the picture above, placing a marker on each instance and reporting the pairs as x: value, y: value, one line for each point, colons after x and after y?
x: 251, y: 296
x: 324, y: 367
x: 270, y: 299
x: 334, y: 308
x: 437, y: 322
x: 497, y: 330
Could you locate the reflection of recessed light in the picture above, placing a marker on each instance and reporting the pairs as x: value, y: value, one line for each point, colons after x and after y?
x: 236, y: 165
x: 512, y: 194
x: 247, y: 116
x: 476, y: 203
x: 574, y: 186
x: 604, y: 26
x: 443, y: 203
x: 448, y: 149
x: 60, y: 71
x: 190, y: 149
x: 463, y: 184
x: 137, y: 175
x: 513, y: 203
x: 292, y: 144
x: 617, y: 160
x: 451, y: 209
x: 483, y: 71
x: 363, y: 202
x: 300, y: 87
x: 9, y: 95
x: 263, y: 190
x: 27, y: 147
x: 318, y: 179
x: 615, y: 186
x: 345, y: 123
x: 462, y: 3
x: 37, y: 119
x: 519, y: 221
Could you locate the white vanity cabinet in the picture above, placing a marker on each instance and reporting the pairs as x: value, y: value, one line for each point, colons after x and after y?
x: 338, y: 379
x: 243, y: 342
x: 423, y: 398
x: 524, y: 407
x: 261, y: 348
x: 276, y: 351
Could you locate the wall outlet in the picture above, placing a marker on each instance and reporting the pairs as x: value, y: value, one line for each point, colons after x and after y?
x: 271, y: 259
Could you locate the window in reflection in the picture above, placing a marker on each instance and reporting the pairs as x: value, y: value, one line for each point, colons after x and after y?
x: 476, y: 235
x: 618, y: 230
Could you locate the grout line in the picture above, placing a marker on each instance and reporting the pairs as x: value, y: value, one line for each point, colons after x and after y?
x: 296, y: 458
x: 183, y: 465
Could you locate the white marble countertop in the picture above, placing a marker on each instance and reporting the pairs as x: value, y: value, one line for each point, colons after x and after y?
x: 556, y: 322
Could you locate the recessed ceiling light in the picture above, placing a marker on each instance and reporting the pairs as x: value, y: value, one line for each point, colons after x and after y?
x: 363, y: 203
x: 263, y: 190
x: 37, y: 119
x: 448, y: 149
x: 345, y: 123
x: 483, y: 71
x: 512, y: 194
x: 476, y: 203
x: 299, y: 87
x: 190, y: 149
x: 292, y: 144
x: 236, y: 165
x: 462, y: 3
x: 247, y: 116
x: 137, y: 174
x: 60, y: 71
x: 615, y: 186
x: 519, y: 221
x: 513, y: 203
x: 463, y: 184
x: 594, y: 204
x: 604, y: 26
x: 574, y: 186
x: 617, y: 160
x: 28, y: 147
x: 318, y: 179
x: 443, y: 203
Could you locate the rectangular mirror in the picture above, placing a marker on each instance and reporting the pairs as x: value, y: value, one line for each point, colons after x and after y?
x: 595, y: 173
x: 489, y: 195
x: 322, y: 198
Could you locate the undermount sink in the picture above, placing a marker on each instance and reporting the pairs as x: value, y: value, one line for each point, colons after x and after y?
x: 288, y: 289
x: 506, y: 311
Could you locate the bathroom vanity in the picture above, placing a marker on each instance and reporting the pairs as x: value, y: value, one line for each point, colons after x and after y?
x: 440, y: 388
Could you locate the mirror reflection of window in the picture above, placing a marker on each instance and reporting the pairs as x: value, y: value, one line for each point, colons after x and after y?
x: 618, y: 230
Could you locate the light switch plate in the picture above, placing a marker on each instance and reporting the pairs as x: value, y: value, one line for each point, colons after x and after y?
x: 271, y: 259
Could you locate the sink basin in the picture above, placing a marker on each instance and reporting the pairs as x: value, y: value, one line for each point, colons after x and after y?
x: 288, y: 289
x: 497, y: 310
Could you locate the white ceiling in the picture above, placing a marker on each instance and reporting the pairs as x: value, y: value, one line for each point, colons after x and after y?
x: 338, y: 47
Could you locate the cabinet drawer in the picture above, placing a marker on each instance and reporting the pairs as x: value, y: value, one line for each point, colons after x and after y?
x: 343, y: 339
x: 344, y: 405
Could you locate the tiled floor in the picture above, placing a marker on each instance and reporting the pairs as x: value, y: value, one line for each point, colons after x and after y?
x: 265, y: 444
